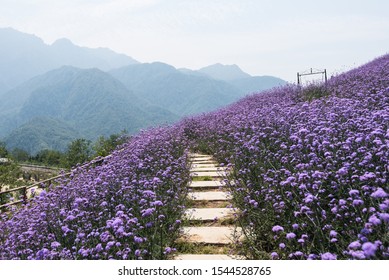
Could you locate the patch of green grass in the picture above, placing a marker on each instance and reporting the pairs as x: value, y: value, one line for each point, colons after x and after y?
x: 200, y: 248
x: 202, y: 178
x: 246, y: 249
x: 314, y: 91
x: 219, y: 222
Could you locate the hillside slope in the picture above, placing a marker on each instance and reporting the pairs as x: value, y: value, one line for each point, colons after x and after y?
x: 246, y: 83
x: 41, y: 133
x: 309, y: 166
x: 182, y: 94
x: 89, y: 101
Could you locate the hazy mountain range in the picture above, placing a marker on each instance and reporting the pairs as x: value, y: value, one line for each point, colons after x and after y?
x: 52, y: 94
x: 24, y: 56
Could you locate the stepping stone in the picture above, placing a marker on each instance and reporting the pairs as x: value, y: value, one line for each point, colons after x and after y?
x: 206, y: 184
x: 203, y: 165
x: 198, y: 155
x: 208, y: 214
x: 211, y: 168
x: 208, y: 173
x: 206, y: 257
x: 202, y: 159
x: 210, y: 196
x: 209, y: 235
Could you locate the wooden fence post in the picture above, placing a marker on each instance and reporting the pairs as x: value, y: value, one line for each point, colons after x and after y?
x: 24, y: 195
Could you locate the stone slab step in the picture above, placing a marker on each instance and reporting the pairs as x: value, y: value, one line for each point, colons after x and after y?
x: 209, y: 235
x: 211, y: 161
x: 208, y: 214
x: 208, y: 173
x: 205, y: 165
x: 194, y: 155
x: 205, y: 257
x: 209, y: 196
x: 208, y: 158
x: 206, y: 184
x: 207, y: 169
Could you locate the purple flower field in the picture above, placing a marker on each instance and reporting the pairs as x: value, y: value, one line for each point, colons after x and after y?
x: 127, y: 208
x: 311, y: 178
x: 309, y: 175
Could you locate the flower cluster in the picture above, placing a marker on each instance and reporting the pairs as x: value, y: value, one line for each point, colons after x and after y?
x: 125, y: 208
x: 310, y: 177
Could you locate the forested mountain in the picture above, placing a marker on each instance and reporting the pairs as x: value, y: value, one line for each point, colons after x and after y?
x: 90, y: 102
x: 42, y: 133
x: 182, y: 94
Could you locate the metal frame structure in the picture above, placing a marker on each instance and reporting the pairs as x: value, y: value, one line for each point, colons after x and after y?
x: 312, y: 72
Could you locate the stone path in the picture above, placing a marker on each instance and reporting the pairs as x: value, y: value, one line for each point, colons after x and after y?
x: 209, y: 218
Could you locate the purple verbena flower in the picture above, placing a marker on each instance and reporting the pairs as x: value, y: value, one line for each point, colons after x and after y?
x: 354, y: 245
x: 274, y: 255
x: 328, y: 256
x: 369, y: 249
x: 379, y: 193
x: 277, y: 229
x: 290, y: 235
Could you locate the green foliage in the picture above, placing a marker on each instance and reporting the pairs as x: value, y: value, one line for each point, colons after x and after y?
x: 3, y: 150
x: 193, y: 248
x: 49, y: 158
x: 105, y: 145
x: 313, y: 91
x: 79, y: 151
x: 9, y: 174
x: 42, y: 133
x: 202, y: 178
x: 20, y: 155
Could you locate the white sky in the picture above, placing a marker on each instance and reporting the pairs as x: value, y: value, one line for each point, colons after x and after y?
x: 263, y: 37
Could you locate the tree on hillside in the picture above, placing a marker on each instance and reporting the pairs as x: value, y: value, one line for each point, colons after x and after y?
x: 3, y: 150
x: 104, y: 146
x: 49, y: 157
x: 79, y: 151
x: 20, y: 155
x: 9, y: 174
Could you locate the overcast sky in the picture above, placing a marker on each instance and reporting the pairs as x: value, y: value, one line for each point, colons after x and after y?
x: 263, y: 37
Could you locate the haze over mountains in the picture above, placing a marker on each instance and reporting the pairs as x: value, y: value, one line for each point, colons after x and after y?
x: 52, y: 94
x: 183, y: 94
x: 24, y: 56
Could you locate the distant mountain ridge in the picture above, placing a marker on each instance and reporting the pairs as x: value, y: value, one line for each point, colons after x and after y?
x: 180, y: 93
x: 235, y: 76
x: 222, y: 72
x: 24, y: 56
